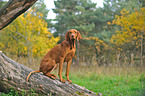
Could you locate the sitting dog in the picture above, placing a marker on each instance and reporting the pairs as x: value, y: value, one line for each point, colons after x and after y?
x: 62, y: 52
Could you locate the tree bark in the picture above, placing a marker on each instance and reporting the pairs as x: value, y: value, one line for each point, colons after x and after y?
x: 13, y: 74
x: 12, y: 10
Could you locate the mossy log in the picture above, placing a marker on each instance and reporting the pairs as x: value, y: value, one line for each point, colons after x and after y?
x: 13, y: 75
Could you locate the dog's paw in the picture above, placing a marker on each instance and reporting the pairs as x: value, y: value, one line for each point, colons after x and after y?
x: 62, y: 80
x: 69, y: 81
x: 52, y: 77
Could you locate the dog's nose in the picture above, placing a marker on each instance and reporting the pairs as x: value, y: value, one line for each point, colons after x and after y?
x: 72, y: 35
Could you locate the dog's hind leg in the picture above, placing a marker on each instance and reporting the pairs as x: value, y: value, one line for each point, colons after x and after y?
x: 52, y: 66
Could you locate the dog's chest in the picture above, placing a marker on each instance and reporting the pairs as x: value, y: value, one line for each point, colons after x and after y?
x: 70, y: 55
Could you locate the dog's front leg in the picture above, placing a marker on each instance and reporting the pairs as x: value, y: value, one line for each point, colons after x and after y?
x: 67, y: 70
x: 60, y: 69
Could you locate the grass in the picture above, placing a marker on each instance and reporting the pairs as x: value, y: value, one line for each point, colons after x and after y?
x: 111, y: 85
x: 110, y: 81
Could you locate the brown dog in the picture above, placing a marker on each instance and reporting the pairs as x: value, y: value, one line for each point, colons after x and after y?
x: 62, y: 52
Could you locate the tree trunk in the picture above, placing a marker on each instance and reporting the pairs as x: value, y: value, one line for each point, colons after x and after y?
x: 78, y: 48
x: 12, y: 10
x: 141, y: 51
x: 13, y: 74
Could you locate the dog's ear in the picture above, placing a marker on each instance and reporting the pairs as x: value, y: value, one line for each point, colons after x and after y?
x: 67, y: 36
x: 78, y: 36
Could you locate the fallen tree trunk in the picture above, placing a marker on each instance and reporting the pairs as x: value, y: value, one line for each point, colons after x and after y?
x: 12, y: 10
x: 13, y: 75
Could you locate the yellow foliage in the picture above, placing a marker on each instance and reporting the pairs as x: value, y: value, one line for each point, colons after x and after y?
x: 1, y: 45
x: 109, y: 23
x: 132, y: 26
x: 98, y: 44
x: 27, y: 33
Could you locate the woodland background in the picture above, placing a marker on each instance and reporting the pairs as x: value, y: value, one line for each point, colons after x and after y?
x: 113, y: 36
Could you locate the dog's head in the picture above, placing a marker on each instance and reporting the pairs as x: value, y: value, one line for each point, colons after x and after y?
x: 73, y: 34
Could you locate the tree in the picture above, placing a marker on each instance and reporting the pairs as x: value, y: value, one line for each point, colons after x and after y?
x: 131, y: 35
x: 132, y: 26
x: 13, y: 76
x: 40, y: 7
x: 2, y: 3
x: 14, y: 9
x: 103, y: 29
x: 142, y: 2
x: 30, y: 36
x: 73, y: 14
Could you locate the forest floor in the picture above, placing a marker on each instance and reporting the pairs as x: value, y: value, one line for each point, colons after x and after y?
x: 109, y: 81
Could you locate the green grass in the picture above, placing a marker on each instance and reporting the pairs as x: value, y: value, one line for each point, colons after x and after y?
x: 125, y: 83
x: 110, y: 85
x: 110, y: 81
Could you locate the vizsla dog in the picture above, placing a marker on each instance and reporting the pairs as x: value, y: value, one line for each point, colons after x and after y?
x: 62, y: 52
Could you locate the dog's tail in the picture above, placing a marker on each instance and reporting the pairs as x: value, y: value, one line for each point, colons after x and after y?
x: 31, y: 73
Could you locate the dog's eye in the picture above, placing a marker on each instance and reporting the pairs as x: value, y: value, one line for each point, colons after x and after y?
x: 75, y: 32
x: 70, y: 32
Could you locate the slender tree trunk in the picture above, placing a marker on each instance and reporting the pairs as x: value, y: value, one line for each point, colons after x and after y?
x: 108, y: 58
x: 141, y: 51
x: 132, y: 59
x: 118, y: 61
x: 28, y: 56
x: 78, y: 47
x: 12, y: 10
